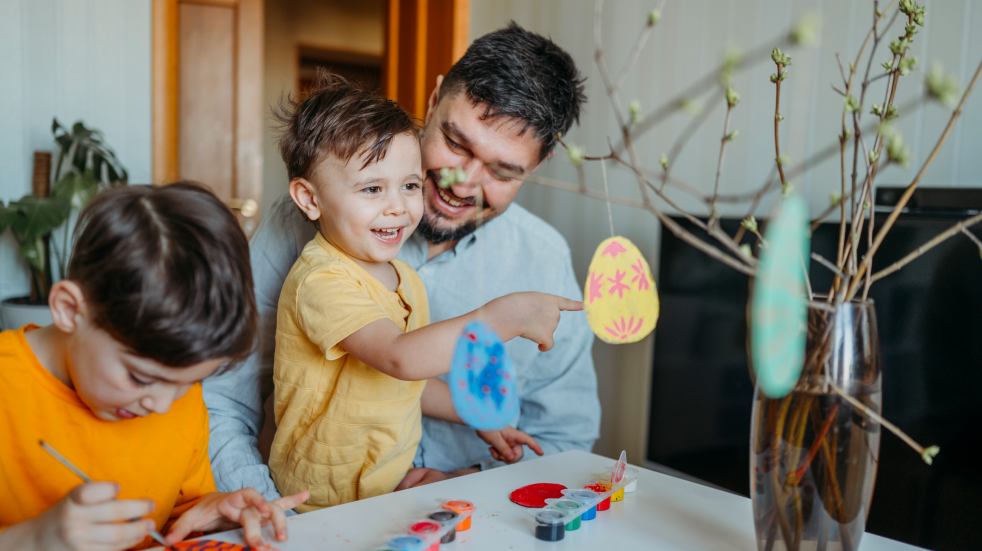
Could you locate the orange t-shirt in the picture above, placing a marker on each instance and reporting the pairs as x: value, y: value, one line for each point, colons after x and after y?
x: 158, y: 457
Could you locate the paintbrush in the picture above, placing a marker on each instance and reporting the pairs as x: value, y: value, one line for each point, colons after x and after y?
x: 78, y: 472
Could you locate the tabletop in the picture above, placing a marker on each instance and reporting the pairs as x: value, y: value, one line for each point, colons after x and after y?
x: 664, y: 513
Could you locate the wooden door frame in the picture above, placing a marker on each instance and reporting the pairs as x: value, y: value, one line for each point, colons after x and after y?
x: 248, y: 119
x: 415, y: 54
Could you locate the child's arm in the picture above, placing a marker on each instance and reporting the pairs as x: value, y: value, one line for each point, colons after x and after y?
x: 89, y: 517
x: 427, y: 351
x: 504, y: 444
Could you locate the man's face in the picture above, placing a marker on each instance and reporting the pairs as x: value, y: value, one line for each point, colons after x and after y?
x: 116, y: 384
x: 494, y: 154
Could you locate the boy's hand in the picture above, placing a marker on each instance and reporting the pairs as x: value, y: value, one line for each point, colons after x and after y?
x: 506, y: 444
x: 530, y: 315
x: 91, y: 518
x: 246, y: 508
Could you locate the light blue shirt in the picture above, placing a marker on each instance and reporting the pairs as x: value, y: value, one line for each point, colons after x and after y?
x: 515, y: 251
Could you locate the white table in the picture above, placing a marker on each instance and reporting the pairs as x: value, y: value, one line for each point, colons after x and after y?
x: 665, y: 513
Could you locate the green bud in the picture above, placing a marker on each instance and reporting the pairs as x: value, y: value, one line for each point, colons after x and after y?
x: 852, y: 104
x: 775, y: 78
x: 749, y: 223
x: 941, y: 86
x: 899, y: 46
x: 873, y: 156
x: 835, y: 199
x: 787, y: 189
x: 778, y: 117
x: 575, y: 155
x: 780, y: 58
x: 691, y: 107
x: 654, y: 16
x: 877, y: 110
x: 634, y: 111
x: 784, y: 160
x: 907, y: 65
x: 887, y: 65
x: 806, y: 31
x: 663, y: 161
x: 732, y: 135
x: 896, y: 151
x: 732, y: 97
x: 929, y: 453
x: 447, y: 177
x: 746, y: 250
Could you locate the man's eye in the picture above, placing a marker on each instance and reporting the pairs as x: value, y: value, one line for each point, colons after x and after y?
x: 139, y: 382
x: 452, y: 144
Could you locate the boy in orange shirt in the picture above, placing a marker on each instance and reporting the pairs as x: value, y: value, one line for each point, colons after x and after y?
x: 158, y: 296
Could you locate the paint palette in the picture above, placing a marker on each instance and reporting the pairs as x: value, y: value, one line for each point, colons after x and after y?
x: 482, y: 379
x: 439, y: 526
x: 575, y: 506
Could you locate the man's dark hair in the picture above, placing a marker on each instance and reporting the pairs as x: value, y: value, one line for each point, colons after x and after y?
x: 165, y: 271
x: 338, y: 118
x: 519, y: 74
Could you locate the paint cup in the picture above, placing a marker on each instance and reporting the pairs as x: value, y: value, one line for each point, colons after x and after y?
x: 406, y: 543
x: 549, y: 525
x: 425, y: 528
x: 599, y: 488
x: 441, y: 517
x: 565, y: 506
x: 585, y: 497
x: 460, y: 507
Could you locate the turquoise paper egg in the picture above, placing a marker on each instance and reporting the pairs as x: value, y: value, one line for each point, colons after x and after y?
x: 780, y: 304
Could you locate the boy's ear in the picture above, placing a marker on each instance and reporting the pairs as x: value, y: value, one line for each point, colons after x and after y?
x: 67, y: 304
x: 302, y: 193
x: 434, y: 99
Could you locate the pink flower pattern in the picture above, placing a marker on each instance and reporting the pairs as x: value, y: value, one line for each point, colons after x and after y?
x: 613, y: 249
x: 596, y: 289
x: 624, y: 328
x: 640, y: 277
x: 618, y: 284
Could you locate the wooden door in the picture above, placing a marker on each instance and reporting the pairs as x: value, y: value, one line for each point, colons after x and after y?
x: 207, y: 98
x: 423, y: 38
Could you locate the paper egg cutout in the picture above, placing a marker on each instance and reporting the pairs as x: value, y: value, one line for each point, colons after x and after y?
x: 482, y: 379
x: 779, y: 312
x: 619, y: 295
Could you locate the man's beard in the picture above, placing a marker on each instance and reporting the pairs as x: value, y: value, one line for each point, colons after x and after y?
x: 436, y: 235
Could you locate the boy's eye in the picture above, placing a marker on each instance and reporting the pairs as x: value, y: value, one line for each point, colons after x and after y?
x: 138, y: 381
x: 372, y: 189
x: 410, y: 186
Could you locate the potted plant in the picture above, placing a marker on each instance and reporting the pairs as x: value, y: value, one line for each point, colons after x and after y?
x: 814, y: 446
x: 84, y: 166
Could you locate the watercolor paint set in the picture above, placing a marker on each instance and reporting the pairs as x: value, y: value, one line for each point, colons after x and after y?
x: 439, y: 526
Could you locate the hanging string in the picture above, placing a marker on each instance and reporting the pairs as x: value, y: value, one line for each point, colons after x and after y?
x: 610, y: 214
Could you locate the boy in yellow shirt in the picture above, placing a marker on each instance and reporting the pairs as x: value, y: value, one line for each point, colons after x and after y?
x: 158, y: 296
x: 353, y: 349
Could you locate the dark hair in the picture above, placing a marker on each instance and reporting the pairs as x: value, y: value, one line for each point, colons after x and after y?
x: 340, y: 119
x: 165, y: 271
x: 519, y: 74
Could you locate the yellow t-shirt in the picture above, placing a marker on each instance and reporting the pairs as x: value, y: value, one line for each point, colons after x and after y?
x: 344, y: 430
x: 158, y: 457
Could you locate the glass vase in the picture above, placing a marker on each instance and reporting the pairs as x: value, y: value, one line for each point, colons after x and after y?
x: 814, y: 452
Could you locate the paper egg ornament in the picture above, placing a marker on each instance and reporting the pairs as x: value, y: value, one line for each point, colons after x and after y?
x: 778, y: 314
x: 482, y: 379
x: 619, y: 295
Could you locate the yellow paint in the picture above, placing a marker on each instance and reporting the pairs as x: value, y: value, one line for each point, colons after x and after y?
x: 619, y: 294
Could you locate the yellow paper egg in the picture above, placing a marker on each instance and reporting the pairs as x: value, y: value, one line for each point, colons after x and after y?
x: 619, y: 295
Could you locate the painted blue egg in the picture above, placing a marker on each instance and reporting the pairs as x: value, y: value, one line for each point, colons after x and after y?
x: 482, y: 379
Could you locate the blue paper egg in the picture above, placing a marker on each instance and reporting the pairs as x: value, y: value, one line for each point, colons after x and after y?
x: 482, y: 379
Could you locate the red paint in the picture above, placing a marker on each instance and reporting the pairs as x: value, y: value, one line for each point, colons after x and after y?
x: 535, y: 495
x: 209, y: 545
x: 600, y: 488
x: 424, y: 528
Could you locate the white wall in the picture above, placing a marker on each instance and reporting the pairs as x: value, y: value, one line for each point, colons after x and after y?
x: 70, y: 59
x: 687, y: 44
x: 329, y: 24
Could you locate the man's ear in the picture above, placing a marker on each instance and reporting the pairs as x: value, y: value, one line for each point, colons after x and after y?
x: 67, y: 304
x: 302, y: 193
x: 434, y: 99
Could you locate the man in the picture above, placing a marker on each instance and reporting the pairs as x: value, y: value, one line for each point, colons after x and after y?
x: 495, y: 117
